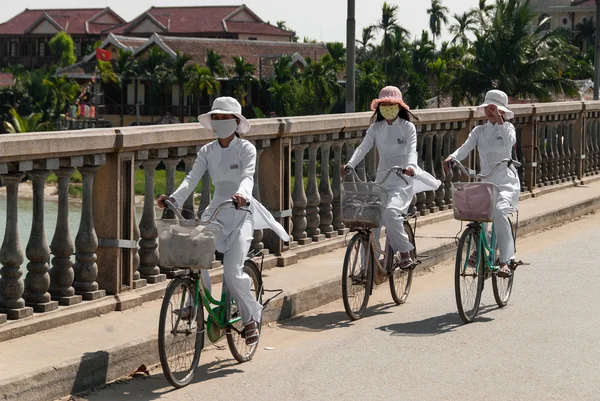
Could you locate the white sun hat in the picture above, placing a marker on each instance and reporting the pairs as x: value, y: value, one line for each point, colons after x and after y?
x: 226, y: 105
x: 498, y: 98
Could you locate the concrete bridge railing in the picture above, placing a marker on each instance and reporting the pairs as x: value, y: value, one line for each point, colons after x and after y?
x: 558, y: 144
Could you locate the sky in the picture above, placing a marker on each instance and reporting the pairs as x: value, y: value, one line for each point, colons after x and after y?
x: 323, y: 20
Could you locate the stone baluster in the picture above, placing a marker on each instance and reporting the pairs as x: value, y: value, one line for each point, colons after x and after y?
x: 37, y: 281
x: 62, y: 274
x: 86, y: 241
x: 12, y: 286
x: 313, y: 199
x: 565, y: 163
x: 586, y: 145
x: 590, y: 146
x: 543, y: 156
x: 137, y: 280
x: 148, y: 230
x: 449, y: 175
x: 440, y: 193
x: 188, y: 206
x: 551, y: 130
x: 336, y: 188
x: 299, y: 198
x: 257, y: 244
x: 571, y: 151
x: 430, y: 195
x: 595, y: 147
x: 205, y: 196
x: 421, y: 204
x: 326, y: 194
x: 559, y: 157
x: 170, y: 172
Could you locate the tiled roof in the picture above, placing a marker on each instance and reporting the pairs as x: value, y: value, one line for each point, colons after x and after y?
x: 259, y: 53
x: 72, y: 21
x: 6, y: 79
x: 206, y: 19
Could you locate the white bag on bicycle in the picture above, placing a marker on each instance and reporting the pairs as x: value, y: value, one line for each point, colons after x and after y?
x: 182, y: 245
x: 475, y: 201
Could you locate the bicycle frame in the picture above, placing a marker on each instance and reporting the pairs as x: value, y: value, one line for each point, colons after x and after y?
x: 484, y: 248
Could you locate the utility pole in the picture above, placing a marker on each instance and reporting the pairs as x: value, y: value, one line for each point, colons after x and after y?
x: 351, y: 57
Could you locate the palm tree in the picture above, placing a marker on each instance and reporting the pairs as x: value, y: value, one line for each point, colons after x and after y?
x: 156, y: 69
x: 369, y: 80
x: 586, y: 33
x: 214, y: 64
x: 180, y: 77
x: 365, y: 42
x: 244, y: 75
x: 63, y: 90
x: 464, y: 23
x: 125, y: 67
x: 281, y: 97
x: 440, y: 72
x: 399, y: 61
x: 337, y: 51
x: 320, y: 77
x: 389, y: 26
x: 423, y: 52
x: 284, y: 70
x: 31, y: 123
x: 201, y: 80
x: 438, y: 15
x: 482, y: 13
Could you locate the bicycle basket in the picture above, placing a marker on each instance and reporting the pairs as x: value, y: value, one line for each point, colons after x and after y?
x: 363, y: 204
x: 186, y: 243
x: 475, y: 201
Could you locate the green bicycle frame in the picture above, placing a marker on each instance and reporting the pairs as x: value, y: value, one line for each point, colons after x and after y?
x: 208, y: 301
x: 487, y: 249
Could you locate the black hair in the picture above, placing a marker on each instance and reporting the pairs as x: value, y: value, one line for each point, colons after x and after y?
x: 403, y: 114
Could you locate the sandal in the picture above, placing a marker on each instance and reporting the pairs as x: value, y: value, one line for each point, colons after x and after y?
x: 184, y: 313
x: 406, y: 263
x: 251, y: 333
x: 504, y: 271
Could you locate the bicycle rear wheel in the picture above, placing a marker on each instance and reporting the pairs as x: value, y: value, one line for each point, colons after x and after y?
x: 237, y: 344
x: 401, y: 279
x: 180, y: 341
x: 468, y: 278
x: 503, y: 285
x: 357, y: 276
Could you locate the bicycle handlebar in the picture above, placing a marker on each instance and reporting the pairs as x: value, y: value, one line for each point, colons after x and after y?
x: 171, y: 206
x: 399, y: 171
x: 473, y: 174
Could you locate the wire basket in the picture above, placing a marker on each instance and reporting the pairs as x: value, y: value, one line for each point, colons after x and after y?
x: 363, y: 204
x: 475, y: 201
x: 186, y: 243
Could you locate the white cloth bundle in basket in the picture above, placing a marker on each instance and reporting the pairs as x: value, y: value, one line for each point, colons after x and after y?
x: 475, y: 201
x: 183, y: 244
x: 363, y: 204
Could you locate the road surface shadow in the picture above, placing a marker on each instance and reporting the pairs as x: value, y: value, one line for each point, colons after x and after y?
x: 152, y: 387
x: 434, y: 326
x: 331, y: 320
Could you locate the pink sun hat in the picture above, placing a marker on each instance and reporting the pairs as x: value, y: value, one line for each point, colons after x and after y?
x: 389, y: 94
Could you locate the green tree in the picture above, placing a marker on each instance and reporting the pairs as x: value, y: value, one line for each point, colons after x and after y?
x: 31, y: 123
x: 320, y: 78
x: 157, y: 70
x: 214, y: 64
x: 442, y: 77
x: 244, y: 75
x: 125, y: 67
x: 438, y: 15
x: 63, y: 90
x: 337, y: 51
x: 200, y: 80
x: 585, y: 34
x: 283, y: 69
x: 463, y: 24
x: 389, y: 26
x: 369, y: 81
x: 366, y: 47
x: 180, y: 77
x: 63, y: 48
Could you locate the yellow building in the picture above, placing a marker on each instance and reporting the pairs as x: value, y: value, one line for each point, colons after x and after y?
x: 563, y: 14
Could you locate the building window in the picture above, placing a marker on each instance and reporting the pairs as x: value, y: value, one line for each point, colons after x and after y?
x: 252, y: 38
x: 42, y: 49
x: 77, y: 49
x: 13, y: 48
x: 25, y: 48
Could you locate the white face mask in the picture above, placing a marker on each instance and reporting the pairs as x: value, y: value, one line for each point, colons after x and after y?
x: 224, y: 128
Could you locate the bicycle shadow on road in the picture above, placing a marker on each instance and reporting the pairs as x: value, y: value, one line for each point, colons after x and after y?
x: 153, y: 387
x: 433, y: 326
x: 331, y: 320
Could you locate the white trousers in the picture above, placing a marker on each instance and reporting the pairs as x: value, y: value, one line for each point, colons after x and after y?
x: 504, y: 239
x: 394, y: 225
x: 239, y: 283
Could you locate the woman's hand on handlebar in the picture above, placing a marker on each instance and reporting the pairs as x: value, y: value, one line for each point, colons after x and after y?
x: 409, y: 171
x: 448, y: 163
x: 344, y: 170
x: 160, y: 201
x: 239, y: 200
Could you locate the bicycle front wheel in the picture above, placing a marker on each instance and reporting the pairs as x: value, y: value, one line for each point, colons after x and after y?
x: 468, y: 276
x: 401, y: 279
x: 503, y: 285
x: 180, y: 340
x: 357, y: 276
x: 237, y: 344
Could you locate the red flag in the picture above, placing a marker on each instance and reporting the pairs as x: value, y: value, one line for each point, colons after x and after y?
x: 102, y: 54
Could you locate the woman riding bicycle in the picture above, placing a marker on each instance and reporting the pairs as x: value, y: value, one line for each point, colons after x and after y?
x: 230, y: 161
x: 494, y: 141
x: 396, y: 140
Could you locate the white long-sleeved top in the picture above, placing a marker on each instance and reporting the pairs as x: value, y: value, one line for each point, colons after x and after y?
x: 494, y: 143
x: 397, y: 146
x: 232, y: 171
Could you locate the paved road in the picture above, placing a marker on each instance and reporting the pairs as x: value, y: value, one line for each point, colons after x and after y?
x: 544, y: 346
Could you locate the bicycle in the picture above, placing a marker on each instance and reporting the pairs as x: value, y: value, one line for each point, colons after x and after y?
x: 362, y: 206
x: 477, y: 253
x: 180, y: 338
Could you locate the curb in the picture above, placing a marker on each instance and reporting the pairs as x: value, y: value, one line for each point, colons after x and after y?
x: 103, y: 366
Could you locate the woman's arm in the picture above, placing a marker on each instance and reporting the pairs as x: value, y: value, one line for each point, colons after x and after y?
x: 413, y: 156
x: 364, y: 148
x: 508, y: 133
x: 463, y: 152
x: 247, y: 169
x: 192, y: 179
